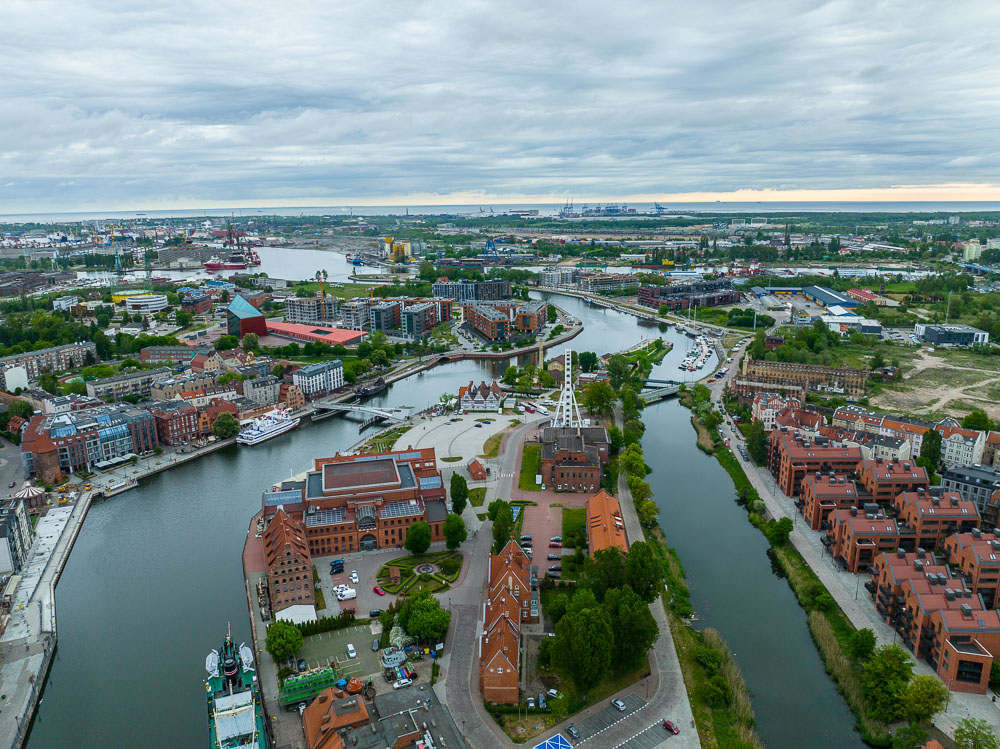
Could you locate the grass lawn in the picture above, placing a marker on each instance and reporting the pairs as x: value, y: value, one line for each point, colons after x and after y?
x: 452, y: 459
x: 477, y: 496
x: 320, y: 600
x: 531, y: 465
x: 573, y: 521
x: 492, y: 444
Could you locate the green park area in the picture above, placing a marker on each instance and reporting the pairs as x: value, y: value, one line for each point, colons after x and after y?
x: 531, y: 466
x: 447, y: 566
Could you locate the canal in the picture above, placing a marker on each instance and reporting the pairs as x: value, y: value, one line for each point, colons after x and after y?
x: 155, y: 577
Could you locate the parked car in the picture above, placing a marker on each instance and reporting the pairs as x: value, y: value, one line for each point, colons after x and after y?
x: 12, y: 483
x: 401, y: 683
x: 353, y: 577
x: 531, y: 703
x: 379, y: 590
x: 553, y: 693
x: 375, y: 644
x: 340, y: 588
x: 374, y: 613
x: 671, y: 726
x: 552, y: 557
x: 352, y: 653
x: 573, y: 733
x: 553, y: 574
x: 618, y: 705
x: 555, y: 544
x: 525, y: 537
x: 347, y: 595
x: 541, y: 701
x: 556, y: 538
x: 302, y: 665
x: 555, y: 568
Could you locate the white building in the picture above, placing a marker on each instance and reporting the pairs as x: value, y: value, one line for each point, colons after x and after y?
x: 319, y: 379
x: 972, y: 251
x: 65, y: 303
x: 766, y: 407
x: 14, y: 377
x: 960, y: 447
x: 146, y: 304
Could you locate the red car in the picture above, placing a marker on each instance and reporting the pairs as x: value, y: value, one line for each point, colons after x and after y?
x: 378, y: 589
x: 671, y: 726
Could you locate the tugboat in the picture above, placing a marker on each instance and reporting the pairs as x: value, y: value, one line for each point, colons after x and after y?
x: 372, y: 388
x: 235, y: 715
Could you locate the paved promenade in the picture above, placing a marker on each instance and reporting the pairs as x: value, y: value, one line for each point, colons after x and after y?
x: 852, y: 597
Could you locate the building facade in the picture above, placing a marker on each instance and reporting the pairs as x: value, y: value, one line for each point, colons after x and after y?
x: 138, y: 383
x: 322, y: 378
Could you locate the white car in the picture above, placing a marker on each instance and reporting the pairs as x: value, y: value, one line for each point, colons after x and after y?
x: 340, y: 588
x: 351, y: 652
x: 347, y: 595
x: 401, y: 683
x: 353, y: 577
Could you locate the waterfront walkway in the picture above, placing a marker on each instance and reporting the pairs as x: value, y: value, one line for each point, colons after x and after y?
x: 852, y: 597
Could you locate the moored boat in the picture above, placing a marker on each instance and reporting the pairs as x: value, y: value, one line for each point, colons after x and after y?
x: 270, y: 425
x: 235, y: 715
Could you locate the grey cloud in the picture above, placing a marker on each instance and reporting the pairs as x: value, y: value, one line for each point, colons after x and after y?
x: 120, y: 104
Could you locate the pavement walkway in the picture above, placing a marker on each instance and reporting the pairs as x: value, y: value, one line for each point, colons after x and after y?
x: 849, y: 591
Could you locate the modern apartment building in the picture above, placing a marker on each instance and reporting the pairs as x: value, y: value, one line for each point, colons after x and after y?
x: 310, y: 310
x: 355, y: 314
x: 322, y: 378
x: 175, y: 354
x: 55, y: 359
x: 973, y: 482
x: 419, y: 320
x: 138, y: 383
x: 685, y: 296
x: 16, y: 535
x: 976, y: 555
x: 385, y: 316
x: 472, y: 291
x: 262, y: 390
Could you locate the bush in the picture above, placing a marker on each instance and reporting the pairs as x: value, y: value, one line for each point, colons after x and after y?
x: 326, y: 623
x: 716, y: 691
x: 450, y: 566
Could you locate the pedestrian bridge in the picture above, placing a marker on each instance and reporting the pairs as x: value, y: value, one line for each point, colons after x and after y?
x: 651, y: 396
x: 397, y: 414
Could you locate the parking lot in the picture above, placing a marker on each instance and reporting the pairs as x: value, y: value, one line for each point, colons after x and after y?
x: 366, y: 566
x: 596, y: 724
x: 331, y: 647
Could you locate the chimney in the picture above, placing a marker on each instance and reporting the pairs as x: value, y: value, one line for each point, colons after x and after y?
x: 949, y: 594
x: 918, y: 565
x: 976, y: 533
x: 967, y: 592
x: 936, y: 501
x: 921, y: 553
x: 900, y: 554
x: 966, y: 611
x: 854, y: 512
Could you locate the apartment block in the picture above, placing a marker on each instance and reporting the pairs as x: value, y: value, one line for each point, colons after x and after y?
x: 322, y: 378
x: 355, y: 314
x: 685, y: 296
x: 976, y: 554
x: 419, y: 320
x: 883, y: 480
x: 472, y: 291
x: 975, y: 483
x: 16, y: 535
x: 117, y: 387
x: 176, y: 422
x: 310, y: 310
x: 766, y: 406
x: 823, y: 494
x: 960, y: 447
x: 791, y: 457
x: 962, y: 648
x: 857, y: 537
x: 926, y: 519
x: 385, y: 316
x: 54, y: 359
x: 263, y: 391
x: 167, y: 354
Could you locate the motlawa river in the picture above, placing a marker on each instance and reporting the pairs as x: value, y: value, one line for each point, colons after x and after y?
x: 155, y: 576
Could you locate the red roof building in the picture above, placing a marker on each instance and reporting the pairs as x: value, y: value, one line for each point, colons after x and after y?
x: 289, y: 564
x: 791, y: 457
x: 823, y: 494
x: 315, y: 333
x: 930, y: 518
x: 857, y: 537
x: 977, y: 556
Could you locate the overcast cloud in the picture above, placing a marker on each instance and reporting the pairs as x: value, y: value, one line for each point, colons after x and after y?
x: 127, y: 104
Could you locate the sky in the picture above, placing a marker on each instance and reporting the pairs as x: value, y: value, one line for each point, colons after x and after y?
x: 127, y: 104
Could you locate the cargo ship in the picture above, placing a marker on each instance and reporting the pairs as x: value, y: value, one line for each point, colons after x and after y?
x: 270, y: 425
x: 233, y: 261
x: 235, y: 715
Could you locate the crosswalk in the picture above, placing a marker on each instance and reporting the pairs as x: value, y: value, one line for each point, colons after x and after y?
x: 506, y: 474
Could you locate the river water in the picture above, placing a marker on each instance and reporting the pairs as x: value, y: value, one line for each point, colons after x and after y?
x: 155, y: 577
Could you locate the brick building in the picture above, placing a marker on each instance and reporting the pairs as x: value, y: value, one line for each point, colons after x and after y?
x: 290, y: 586
x: 976, y: 555
x: 605, y: 527
x: 847, y: 380
x: 791, y: 457
x: 176, y: 422
x: 823, y: 494
x: 884, y: 480
x: 857, y: 537
x: 930, y: 518
x: 766, y: 406
x: 572, y: 459
x: 364, y: 502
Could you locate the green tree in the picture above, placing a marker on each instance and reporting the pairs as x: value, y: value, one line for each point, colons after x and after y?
x: 21, y: 408
x: 778, y: 531
x: 225, y: 426
x: 587, y: 361
x: 454, y: 531
x: 861, y: 644
x: 757, y: 442
x: 278, y: 370
x: 911, y: 736
x: 422, y: 617
x: 975, y: 733
x: 713, y: 419
x: 599, y: 398
x: 878, y: 360
x: 250, y: 342
x: 930, y: 446
x: 615, y: 439
x: 426, y: 271
x: 634, y: 626
x: 605, y: 571
x: 503, y: 524
x: 418, y: 538
x: 49, y: 382
x: 226, y: 342
x: 183, y: 318
x: 510, y: 376
x: 922, y: 699
x: 648, y: 513
x: 885, y: 676
x: 633, y: 431
x: 583, y: 646
x: 977, y: 420
x: 619, y: 371
x: 459, y: 493
x: 283, y: 640
x: 643, y: 571
x: 632, y: 461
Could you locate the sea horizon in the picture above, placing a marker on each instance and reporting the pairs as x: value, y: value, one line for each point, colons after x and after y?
x: 546, y: 210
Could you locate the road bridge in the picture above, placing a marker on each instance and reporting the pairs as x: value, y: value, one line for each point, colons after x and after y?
x: 651, y: 396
